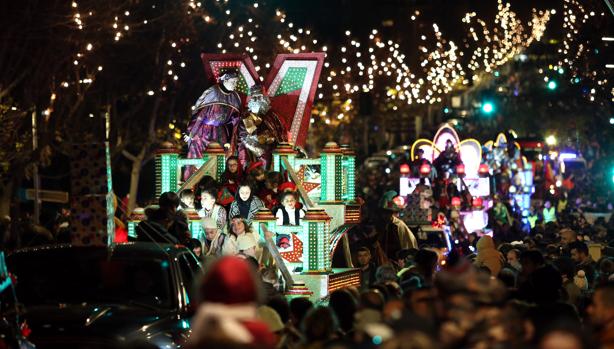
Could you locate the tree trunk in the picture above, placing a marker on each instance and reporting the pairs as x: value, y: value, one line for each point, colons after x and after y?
x: 6, y: 196
x: 137, y: 161
x: 135, y: 174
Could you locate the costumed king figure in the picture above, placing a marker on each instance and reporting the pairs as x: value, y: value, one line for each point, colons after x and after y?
x: 447, y: 161
x: 215, y: 118
x: 261, y: 130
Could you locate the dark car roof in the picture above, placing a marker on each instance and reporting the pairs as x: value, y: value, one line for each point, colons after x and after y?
x: 130, y: 249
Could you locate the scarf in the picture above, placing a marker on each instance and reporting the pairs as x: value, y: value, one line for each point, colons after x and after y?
x: 244, y: 205
x: 215, y: 247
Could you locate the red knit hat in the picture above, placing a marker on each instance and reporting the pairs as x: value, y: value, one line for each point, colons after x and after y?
x: 286, y: 186
x: 254, y: 165
x: 230, y: 280
x: 224, y: 196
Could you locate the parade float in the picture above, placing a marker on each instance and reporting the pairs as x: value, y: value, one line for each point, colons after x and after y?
x: 512, y: 174
x: 447, y: 171
x: 325, y: 184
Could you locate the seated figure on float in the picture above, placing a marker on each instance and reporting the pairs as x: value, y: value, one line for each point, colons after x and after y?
x: 215, y: 118
x: 512, y: 173
x: 462, y: 187
x: 260, y: 130
x: 306, y: 249
x: 447, y: 161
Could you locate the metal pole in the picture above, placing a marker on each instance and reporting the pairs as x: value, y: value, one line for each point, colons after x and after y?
x: 35, y: 177
x: 107, y: 123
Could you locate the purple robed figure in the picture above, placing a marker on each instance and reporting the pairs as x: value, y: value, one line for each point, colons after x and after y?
x: 215, y: 118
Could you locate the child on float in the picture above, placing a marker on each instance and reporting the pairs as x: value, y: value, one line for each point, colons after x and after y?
x: 187, y: 199
x: 288, y: 213
x: 207, y: 207
x: 281, y: 189
x: 236, y: 241
x: 214, y: 239
x: 246, y: 204
x: 232, y: 176
x: 256, y: 175
x: 269, y: 194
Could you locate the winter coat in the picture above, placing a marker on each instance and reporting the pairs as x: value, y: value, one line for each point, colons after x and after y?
x: 254, y: 205
x: 488, y: 255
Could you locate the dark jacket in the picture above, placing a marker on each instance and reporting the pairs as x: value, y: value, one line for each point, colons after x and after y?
x: 154, y: 229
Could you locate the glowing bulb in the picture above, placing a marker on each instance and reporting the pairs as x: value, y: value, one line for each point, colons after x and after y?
x: 551, y: 140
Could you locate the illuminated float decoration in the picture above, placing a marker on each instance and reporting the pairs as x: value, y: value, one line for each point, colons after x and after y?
x: 326, y: 185
x: 510, y: 167
x: 469, y: 150
x: 466, y: 172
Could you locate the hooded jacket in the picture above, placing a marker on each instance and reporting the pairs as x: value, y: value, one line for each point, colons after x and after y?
x: 488, y: 255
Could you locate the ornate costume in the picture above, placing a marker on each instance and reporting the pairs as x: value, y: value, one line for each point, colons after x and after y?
x: 215, y: 118
x: 260, y: 130
x: 447, y: 161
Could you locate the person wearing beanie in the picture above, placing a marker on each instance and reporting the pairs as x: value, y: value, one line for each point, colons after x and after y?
x: 580, y: 280
x: 256, y: 175
x: 287, y: 335
x: 214, y: 238
x: 583, y: 260
x: 286, y: 186
x: 394, y: 234
x: 270, y: 191
x: 270, y: 317
x: 247, y: 244
x: 228, y: 313
x: 488, y: 256
x: 423, y: 271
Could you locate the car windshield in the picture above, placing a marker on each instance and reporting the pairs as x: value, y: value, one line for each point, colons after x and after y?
x: 94, y: 278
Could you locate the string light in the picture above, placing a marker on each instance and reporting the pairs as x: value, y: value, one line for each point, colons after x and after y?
x: 575, y: 49
x: 376, y: 64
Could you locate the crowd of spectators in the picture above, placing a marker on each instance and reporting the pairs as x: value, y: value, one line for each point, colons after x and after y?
x: 508, y: 296
x: 546, y: 285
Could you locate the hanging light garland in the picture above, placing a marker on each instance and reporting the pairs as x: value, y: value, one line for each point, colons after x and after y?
x: 375, y: 64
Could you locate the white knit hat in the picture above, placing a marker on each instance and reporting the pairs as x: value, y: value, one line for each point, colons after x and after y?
x: 208, y: 223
